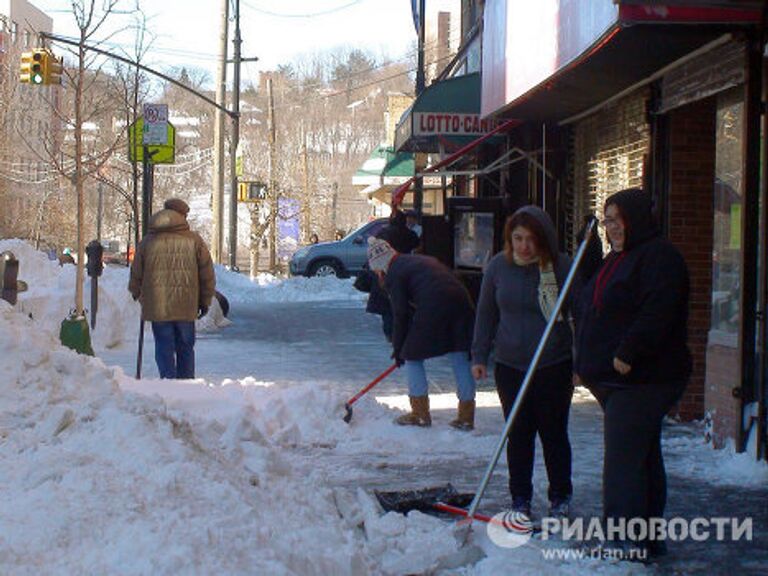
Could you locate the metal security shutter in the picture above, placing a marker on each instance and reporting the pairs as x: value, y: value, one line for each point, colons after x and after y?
x: 608, y: 151
x: 717, y: 70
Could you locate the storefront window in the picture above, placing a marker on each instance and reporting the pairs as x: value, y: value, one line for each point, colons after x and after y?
x: 726, y: 252
x: 473, y: 244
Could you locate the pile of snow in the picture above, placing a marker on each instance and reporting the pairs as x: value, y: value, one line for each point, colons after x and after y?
x: 724, y: 467
x: 97, y: 479
x: 267, y: 288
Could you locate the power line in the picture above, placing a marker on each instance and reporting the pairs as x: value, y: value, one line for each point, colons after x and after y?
x: 306, y: 15
x: 431, y: 45
x: 372, y: 83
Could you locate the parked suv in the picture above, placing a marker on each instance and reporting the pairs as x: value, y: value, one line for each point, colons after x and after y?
x: 342, y: 258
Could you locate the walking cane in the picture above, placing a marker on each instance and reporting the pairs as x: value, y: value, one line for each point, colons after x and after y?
x: 141, y: 349
x: 531, y: 370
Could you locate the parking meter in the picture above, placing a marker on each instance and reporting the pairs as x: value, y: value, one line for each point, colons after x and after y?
x: 95, y: 266
x: 95, y: 253
x: 9, y: 272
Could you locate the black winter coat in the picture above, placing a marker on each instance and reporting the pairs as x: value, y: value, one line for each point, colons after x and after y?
x: 433, y: 312
x: 400, y: 237
x: 635, y: 308
x: 378, y: 301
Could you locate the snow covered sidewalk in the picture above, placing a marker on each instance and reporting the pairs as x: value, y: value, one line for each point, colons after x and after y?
x: 257, y: 474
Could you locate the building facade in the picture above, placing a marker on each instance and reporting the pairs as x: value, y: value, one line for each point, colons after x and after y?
x: 29, y: 128
x: 631, y: 94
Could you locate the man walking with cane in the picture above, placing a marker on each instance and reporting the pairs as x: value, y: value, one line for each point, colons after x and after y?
x: 172, y: 276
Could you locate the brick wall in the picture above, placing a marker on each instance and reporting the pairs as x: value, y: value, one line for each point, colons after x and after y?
x: 690, y: 209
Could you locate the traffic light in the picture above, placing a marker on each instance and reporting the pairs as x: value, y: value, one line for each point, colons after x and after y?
x: 52, y: 69
x: 40, y: 66
x: 31, y: 70
x: 251, y: 191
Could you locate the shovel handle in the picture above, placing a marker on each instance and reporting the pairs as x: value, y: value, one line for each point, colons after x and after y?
x: 460, y: 512
x: 378, y: 379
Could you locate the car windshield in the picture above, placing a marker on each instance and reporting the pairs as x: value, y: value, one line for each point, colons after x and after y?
x: 370, y: 231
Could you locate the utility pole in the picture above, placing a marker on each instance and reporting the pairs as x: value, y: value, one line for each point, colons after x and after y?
x: 217, y: 204
x: 100, y: 210
x: 420, y: 79
x: 273, y: 205
x: 235, y: 142
x: 420, y: 159
x: 335, y: 209
x: 306, y: 220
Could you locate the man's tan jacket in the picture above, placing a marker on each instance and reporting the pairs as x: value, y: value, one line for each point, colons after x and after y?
x: 172, y: 272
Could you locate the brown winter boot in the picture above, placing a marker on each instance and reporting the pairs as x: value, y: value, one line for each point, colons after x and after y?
x: 466, y: 417
x: 419, y: 415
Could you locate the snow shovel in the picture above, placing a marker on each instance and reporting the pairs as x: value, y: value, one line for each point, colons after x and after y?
x: 441, y: 499
x: 348, y: 404
x: 426, y: 499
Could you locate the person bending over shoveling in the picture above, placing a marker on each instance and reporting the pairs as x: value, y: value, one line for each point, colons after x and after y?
x: 433, y: 316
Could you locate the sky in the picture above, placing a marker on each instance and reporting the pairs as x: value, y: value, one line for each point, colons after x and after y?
x: 275, y: 31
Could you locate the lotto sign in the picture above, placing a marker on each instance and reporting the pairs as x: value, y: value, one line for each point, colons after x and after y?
x: 155, y: 124
x: 446, y: 123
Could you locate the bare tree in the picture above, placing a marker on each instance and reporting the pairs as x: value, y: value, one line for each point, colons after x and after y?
x: 93, y: 96
x: 329, y: 112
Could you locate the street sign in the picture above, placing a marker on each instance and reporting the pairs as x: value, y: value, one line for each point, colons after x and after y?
x: 158, y: 153
x: 155, y: 124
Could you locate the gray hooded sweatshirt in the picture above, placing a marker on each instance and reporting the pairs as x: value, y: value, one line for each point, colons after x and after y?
x: 509, y: 318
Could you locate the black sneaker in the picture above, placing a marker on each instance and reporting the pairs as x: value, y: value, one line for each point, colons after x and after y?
x: 560, y: 507
x: 657, y: 548
x: 522, y: 505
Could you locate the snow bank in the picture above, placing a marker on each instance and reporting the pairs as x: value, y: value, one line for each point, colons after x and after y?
x: 99, y: 479
x: 725, y: 467
x: 266, y: 288
x: 95, y: 480
x: 51, y: 295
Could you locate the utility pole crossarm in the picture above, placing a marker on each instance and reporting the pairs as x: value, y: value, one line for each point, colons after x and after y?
x: 60, y: 39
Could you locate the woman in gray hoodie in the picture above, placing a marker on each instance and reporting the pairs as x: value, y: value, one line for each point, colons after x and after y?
x: 519, y: 290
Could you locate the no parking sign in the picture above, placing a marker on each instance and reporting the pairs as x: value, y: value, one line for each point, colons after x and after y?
x: 155, y: 124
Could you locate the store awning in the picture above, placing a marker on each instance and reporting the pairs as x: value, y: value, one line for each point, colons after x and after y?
x: 384, y: 167
x: 386, y: 170
x: 445, y: 115
x: 626, y: 56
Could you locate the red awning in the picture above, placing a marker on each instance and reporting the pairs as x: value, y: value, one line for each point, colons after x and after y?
x: 627, y: 54
x: 399, y: 192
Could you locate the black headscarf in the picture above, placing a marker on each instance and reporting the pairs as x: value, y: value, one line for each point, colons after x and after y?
x: 636, y: 210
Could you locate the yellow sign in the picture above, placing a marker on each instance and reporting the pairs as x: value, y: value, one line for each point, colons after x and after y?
x: 735, y: 239
x: 158, y: 153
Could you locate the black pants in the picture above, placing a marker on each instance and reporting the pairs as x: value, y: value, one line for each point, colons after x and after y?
x: 634, y: 478
x: 545, y: 410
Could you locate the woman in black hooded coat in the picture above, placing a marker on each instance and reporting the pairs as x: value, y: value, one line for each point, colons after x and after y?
x: 631, y: 352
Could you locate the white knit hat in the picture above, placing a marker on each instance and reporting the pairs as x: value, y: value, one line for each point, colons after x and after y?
x: 380, y: 254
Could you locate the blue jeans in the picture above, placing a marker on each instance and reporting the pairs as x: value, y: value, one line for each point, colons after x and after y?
x: 175, y: 349
x: 465, y: 383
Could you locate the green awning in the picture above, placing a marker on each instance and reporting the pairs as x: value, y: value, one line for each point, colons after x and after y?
x: 384, y: 167
x: 446, y: 113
